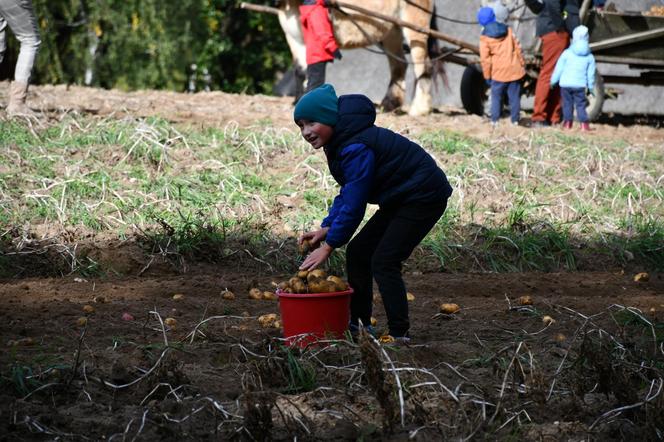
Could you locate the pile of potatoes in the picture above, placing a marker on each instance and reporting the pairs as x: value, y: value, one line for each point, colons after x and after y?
x: 315, y: 281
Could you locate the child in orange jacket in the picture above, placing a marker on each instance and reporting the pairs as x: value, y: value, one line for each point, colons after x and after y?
x: 319, y: 40
x: 502, y: 61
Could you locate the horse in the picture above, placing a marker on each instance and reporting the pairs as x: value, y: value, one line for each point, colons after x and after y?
x: 354, y: 30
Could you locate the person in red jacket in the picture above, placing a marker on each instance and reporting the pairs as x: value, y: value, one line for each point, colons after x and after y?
x: 319, y: 40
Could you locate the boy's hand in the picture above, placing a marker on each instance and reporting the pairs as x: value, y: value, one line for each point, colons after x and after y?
x: 314, y: 237
x: 337, y: 54
x: 317, y: 257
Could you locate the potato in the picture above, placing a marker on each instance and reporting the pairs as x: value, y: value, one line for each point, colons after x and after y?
x: 282, y: 285
x: 178, y: 297
x: 329, y: 287
x: 88, y: 308
x: 548, y: 320
x: 269, y: 296
x: 228, y: 295
x: 302, y: 274
x: 171, y: 322
x: 287, y: 289
x: 386, y: 339
x: 339, y: 283
x: 255, y: 293
x: 267, y: 320
x: 525, y: 300
x: 374, y: 321
x: 82, y: 321
x: 559, y: 337
x: 126, y: 316
x: 294, y: 280
x: 277, y: 324
x: 449, y: 308
x: 641, y: 277
x: 100, y: 299
x: 317, y: 273
x: 410, y: 296
x: 304, y: 247
x: 299, y: 287
x: 316, y: 285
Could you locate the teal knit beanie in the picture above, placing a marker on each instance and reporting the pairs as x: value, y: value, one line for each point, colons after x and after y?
x: 318, y: 105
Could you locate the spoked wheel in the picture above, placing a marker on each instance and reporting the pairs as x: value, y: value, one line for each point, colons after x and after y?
x: 595, y: 103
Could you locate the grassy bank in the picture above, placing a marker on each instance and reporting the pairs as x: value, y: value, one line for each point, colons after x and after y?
x: 542, y: 201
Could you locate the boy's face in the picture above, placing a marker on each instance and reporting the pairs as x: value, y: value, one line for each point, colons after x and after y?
x: 315, y: 133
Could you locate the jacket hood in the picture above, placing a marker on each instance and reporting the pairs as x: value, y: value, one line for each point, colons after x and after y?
x: 580, y: 33
x: 580, y: 47
x: 500, y: 11
x: 495, y: 30
x: 356, y: 113
x: 580, y: 41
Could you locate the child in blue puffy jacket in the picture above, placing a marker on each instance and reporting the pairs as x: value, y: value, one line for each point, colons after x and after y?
x: 372, y: 165
x: 575, y: 71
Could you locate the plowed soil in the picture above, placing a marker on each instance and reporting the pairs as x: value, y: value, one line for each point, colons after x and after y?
x: 217, y: 374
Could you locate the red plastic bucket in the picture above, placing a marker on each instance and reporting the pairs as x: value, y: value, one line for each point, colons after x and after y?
x: 308, y: 317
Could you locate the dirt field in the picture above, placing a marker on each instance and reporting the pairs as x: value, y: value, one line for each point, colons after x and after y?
x: 494, y: 370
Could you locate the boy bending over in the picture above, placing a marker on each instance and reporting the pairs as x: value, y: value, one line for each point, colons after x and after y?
x: 372, y: 165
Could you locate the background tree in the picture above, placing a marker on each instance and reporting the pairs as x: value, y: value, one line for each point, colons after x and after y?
x: 151, y: 44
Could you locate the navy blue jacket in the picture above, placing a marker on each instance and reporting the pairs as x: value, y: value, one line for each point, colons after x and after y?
x: 375, y: 165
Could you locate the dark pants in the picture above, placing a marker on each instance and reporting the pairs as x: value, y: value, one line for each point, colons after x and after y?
x: 378, y: 252
x: 315, y: 75
x: 514, y: 95
x: 574, y: 97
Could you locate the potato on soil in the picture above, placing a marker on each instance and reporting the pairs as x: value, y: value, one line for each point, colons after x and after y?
x: 339, y: 283
x: 171, y: 322
x: 268, y: 320
x: 410, y: 296
x: 82, y: 321
x: 449, y: 308
x: 269, y: 296
x: 525, y: 300
x: 547, y: 320
x: 255, y: 293
x: 88, y: 308
x: 641, y: 277
x: 100, y: 299
x: 277, y: 324
x: 228, y: 295
x: 386, y: 339
x: 178, y: 297
x: 374, y: 321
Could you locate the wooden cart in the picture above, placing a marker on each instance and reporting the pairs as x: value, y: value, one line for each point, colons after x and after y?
x: 633, y: 40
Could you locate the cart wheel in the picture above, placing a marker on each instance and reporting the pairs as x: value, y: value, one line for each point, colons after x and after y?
x: 473, y: 90
x: 594, y: 108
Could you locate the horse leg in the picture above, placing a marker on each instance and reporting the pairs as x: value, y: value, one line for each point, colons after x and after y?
x: 396, y: 91
x: 422, y: 102
x: 289, y: 19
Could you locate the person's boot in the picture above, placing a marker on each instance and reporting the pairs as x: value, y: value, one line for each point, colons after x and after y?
x: 585, y: 127
x: 18, y: 92
x: 567, y: 124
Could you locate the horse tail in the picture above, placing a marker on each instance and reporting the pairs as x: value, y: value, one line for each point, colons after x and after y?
x: 433, y: 48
